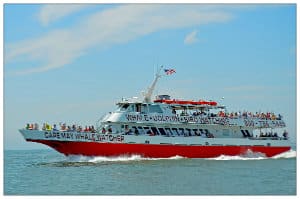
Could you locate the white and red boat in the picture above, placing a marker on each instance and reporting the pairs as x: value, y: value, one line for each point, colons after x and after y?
x: 165, y: 128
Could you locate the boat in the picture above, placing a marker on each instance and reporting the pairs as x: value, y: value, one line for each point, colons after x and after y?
x: 165, y: 127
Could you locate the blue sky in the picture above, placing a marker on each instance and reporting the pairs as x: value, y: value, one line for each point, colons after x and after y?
x: 72, y: 63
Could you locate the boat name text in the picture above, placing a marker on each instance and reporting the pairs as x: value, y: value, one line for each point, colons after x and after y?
x: 175, y: 118
x: 83, y: 136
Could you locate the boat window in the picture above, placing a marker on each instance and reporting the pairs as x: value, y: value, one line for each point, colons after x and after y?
x: 155, y: 108
x: 162, y: 131
x: 154, y: 130
x: 141, y: 130
x: 201, y: 131
x: 130, y: 108
x: 175, y: 130
x: 189, y: 132
x: 169, y: 132
x: 181, y: 130
x: 124, y: 107
x: 144, y: 108
x: 147, y: 130
x: 138, y: 107
x: 196, y: 132
x: 248, y: 134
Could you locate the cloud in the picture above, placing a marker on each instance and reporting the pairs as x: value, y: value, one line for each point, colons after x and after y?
x: 191, y: 38
x: 53, y: 12
x: 104, y: 29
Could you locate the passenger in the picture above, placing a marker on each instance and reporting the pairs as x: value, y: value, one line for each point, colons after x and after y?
x: 209, y: 135
x: 109, y: 130
x: 136, y: 131
x: 31, y: 127
x: 285, y: 134
x: 128, y: 132
x: 48, y: 127
x: 54, y: 127
x: 36, y: 126
x: 44, y: 127
x: 63, y: 127
x: 86, y: 129
x: 103, y: 130
x: 93, y: 129
x: 151, y: 133
x: 27, y: 126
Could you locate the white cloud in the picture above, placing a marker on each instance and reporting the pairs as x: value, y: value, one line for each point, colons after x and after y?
x: 107, y: 28
x: 191, y: 38
x: 53, y: 12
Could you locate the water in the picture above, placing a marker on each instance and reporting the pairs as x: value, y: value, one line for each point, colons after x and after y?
x: 46, y: 172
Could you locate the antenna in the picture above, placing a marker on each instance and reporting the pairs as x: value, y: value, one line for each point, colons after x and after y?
x: 148, y: 94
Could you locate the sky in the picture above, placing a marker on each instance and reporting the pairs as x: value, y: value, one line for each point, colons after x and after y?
x: 72, y: 62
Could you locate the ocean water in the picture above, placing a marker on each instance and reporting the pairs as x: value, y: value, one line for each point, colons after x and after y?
x: 46, y: 172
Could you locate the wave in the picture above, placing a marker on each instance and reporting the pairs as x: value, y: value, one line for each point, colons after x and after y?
x: 256, y: 156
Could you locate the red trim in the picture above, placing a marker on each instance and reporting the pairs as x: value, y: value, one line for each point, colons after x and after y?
x: 212, y: 103
x: 156, y: 150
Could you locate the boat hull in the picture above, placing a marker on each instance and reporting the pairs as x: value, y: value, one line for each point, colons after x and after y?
x: 156, y: 150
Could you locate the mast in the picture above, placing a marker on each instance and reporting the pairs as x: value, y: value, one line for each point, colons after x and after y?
x: 148, y: 94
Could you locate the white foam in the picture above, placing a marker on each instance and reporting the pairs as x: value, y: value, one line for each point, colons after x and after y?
x: 289, y: 154
x: 255, y: 156
x: 226, y: 157
x: 249, y: 155
x: 97, y: 159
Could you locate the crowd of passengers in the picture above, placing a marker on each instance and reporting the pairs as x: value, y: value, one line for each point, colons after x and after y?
x: 245, y: 114
x: 63, y: 127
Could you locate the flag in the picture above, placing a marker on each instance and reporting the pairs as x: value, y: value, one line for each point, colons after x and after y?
x: 170, y: 71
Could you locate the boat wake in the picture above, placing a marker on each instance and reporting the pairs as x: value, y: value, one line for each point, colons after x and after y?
x: 99, y: 159
x: 256, y: 156
x: 79, y: 160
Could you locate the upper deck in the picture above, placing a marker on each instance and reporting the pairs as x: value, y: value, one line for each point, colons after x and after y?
x: 167, y: 111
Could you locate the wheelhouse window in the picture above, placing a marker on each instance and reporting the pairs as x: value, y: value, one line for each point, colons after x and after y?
x: 124, y: 107
x: 138, y: 107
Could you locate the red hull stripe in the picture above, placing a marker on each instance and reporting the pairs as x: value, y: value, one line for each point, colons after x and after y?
x: 156, y: 150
